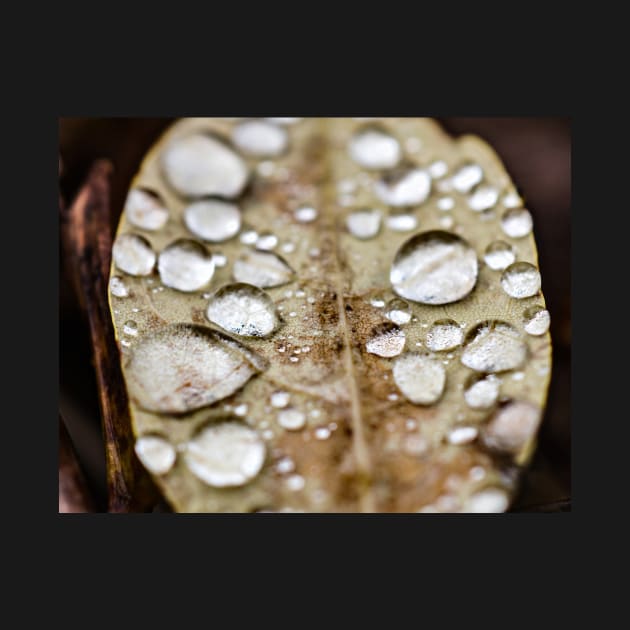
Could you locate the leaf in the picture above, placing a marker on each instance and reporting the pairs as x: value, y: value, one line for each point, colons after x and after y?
x: 403, y: 361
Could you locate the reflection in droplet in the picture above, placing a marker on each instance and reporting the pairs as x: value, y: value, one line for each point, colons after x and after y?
x: 494, y: 347
x: 364, y: 224
x: 185, y: 265
x: 420, y: 378
x: 482, y: 393
x: 183, y: 367
x: 434, y: 268
x: 225, y: 455
x: 483, y: 198
x: 512, y: 427
x: 200, y: 165
x: 260, y: 138
x: 467, y: 177
x: 517, y: 222
x: 499, y: 255
x: 537, y: 320
x: 133, y: 254
x: 156, y: 453
x: 262, y: 269
x: 398, y: 311
x: 521, y: 280
x: 445, y: 334
x: 291, y: 419
x: 213, y: 220
x: 145, y: 209
x: 373, y: 148
x: 118, y: 287
x: 243, y: 309
x: 488, y: 501
x: 404, y: 187
x: 402, y: 222
x: 387, y: 340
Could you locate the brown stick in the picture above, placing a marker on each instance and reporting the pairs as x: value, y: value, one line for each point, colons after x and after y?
x: 74, y: 496
x: 87, y: 239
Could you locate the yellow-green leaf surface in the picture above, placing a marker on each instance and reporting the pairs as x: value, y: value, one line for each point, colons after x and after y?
x: 328, y: 386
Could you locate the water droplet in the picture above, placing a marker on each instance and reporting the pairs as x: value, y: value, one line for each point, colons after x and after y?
x: 521, y: 280
x: 518, y: 376
x: 314, y: 253
x: 200, y: 165
x: 517, y: 222
x: 404, y: 187
x: 133, y: 254
x: 387, y: 340
x: 130, y: 328
x: 420, y: 378
x: 145, y: 209
x: 484, y: 198
x: 488, y: 501
x: 248, y: 237
x: 118, y: 287
x: 295, y: 483
x: 499, y: 255
x: 262, y: 269
x: 494, y: 347
x: 477, y: 473
x: 445, y: 204
x: 482, y: 393
x: 467, y: 177
x: 185, y: 265
x: 364, y: 224
x: 213, y: 220
x: 438, y: 169
x: 293, y: 359
x: 266, y: 169
x: 373, y: 148
x: 225, y: 455
x: 415, y: 445
x: 280, y: 400
x: 511, y: 427
x: 398, y: 311
x: 536, y: 320
x: 183, y: 367
x: 512, y: 200
x: 447, y: 222
x: 156, y: 453
x: 402, y: 222
x: 411, y: 425
x: 305, y: 214
x: 322, y: 433
x: 462, y: 435
x: 445, y: 334
x: 285, y: 465
x: 267, y: 241
x: 291, y: 419
x: 434, y: 268
x: 220, y: 260
x: 260, y: 138
x: 241, y: 410
x: 413, y: 145
x: 287, y: 248
x: 243, y: 309
x: 378, y: 301
x: 346, y: 187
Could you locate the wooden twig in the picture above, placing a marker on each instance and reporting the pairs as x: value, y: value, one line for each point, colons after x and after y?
x: 87, y: 239
x: 74, y: 496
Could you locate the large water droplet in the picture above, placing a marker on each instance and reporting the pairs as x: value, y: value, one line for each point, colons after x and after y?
x: 402, y: 222
x: 291, y: 419
x: 494, y: 347
x: 145, y: 209
x: 517, y: 222
x: 404, y: 187
x: 387, y: 340
x: 156, y: 453
x: 243, y: 309
x: 434, y: 268
x: 521, y: 280
x: 499, y: 255
x: 364, y: 224
x: 398, y: 311
x: 133, y: 254
x: 260, y: 138
x: 420, y: 378
x: 185, y: 265
x: 118, y: 287
x: 488, y: 501
x: 512, y: 427
x: 484, y: 198
x: 373, y: 148
x: 467, y: 177
x: 536, y: 320
x: 213, y: 220
x: 262, y: 269
x: 445, y: 334
x: 225, y: 455
x: 183, y: 367
x: 482, y: 393
x: 200, y: 165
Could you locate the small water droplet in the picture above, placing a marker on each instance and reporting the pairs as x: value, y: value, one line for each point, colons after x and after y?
x: 517, y: 222
x: 285, y: 465
x: 411, y: 425
x: 387, y: 340
x: 185, y: 266
x: 477, y: 473
x: 133, y: 254
x: 434, y: 268
x: 125, y: 343
x: 518, y: 376
x: 291, y: 419
x: 420, y: 378
x: 224, y: 455
x: 482, y: 393
x: 488, y: 501
x: 521, y: 280
x: 294, y: 359
x: 398, y: 311
x: 220, y: 260
x: 156, y: 453
x: 392, y: 397
x: 415, y: 445
x: 287, y: 248
x: 213, y: 220
x: 266, y: 168
x: 467, y: 177
x: 322, y: 433
x: 445, y: 204
x: 373, y: 148
x: 404, y: 187
x: 512, y: 200
x: 438, y: 169
x: 402, y: 222
x: 447, y: 222
x: 536, y: 320
x: 262, y: 269
x: 248, y: 237
x: 378, y: 301
x: 145, y: 209
x: 346, y: 187
x: 499, y: 255
x: 445, y: 334
x: 260, y: 138
x: 130, y: 328
x: 118, y: 287
x: 280, y: 400
x: 305, y: 214
x: 267, y: 241
x: 462, y: 435
x: 494, y: 347
x: 483, y: 198
x: 295, y: 483
x: 364, y: 224
x: 241, y: 410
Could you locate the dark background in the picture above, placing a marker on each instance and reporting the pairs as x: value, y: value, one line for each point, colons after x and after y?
x: 537, y: 154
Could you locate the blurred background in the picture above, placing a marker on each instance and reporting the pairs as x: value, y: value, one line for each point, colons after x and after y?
x: 536, y: 153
